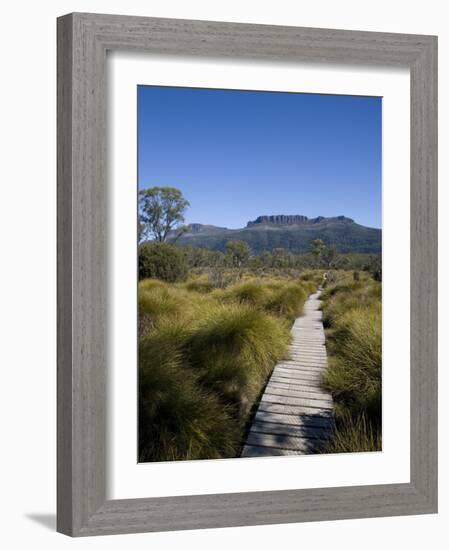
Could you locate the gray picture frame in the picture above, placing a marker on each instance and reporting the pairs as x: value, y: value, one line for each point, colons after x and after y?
x: 83, y: 40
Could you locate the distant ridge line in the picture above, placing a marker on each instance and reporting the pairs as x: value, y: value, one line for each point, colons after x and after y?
x: 293, y: 232
x: 295, y: 219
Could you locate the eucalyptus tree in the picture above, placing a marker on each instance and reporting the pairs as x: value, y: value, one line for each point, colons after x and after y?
x: 161, y: 213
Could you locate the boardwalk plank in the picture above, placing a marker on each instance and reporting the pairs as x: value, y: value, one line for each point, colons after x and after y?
x: 299, y: 375
x: 314, y: 388
x: 303, y: 430
x: 300, y: 372
x: 253, y: 451
x: 296, y: 367
x: 300, y: 402
x: 317, y: 420
x: 302, y: 444
x: 295, y: 414
x: 292, y: 409
x: 288, y: 392
x: 306, y: 358
x: 297, y: 371
x: 304, y: 381
x: 302, y: 363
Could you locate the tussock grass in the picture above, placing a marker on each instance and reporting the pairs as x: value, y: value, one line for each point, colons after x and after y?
x: 234, y: 349
x: 315, y: 277
x: 178, y: 419
x: 248, y: 292
x: 310, y: 286
x: 199, y: 285
x: 353, y: 317
x: 354, y: 435
x: 287, y: 301
x: 356, y: 375
x: 161, y: 301
x: 347, y: 294
x: 204, y: 357
x: 150, y: 284
x: 283, y: 298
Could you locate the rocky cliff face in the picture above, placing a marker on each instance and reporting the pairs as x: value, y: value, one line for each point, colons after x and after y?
x: 296, y: 219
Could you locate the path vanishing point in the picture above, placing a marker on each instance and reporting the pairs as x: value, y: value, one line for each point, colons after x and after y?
x: 295, y: 415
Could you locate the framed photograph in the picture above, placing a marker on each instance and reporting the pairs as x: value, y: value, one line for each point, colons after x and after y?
x: 247, y: 274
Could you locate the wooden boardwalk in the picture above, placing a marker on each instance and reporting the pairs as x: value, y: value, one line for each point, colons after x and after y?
x: 295, y: 415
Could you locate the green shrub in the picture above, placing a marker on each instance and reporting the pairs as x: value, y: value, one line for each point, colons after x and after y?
x: 162, y: 261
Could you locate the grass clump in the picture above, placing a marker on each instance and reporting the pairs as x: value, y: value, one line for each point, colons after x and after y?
x: 204, y: 357
x: 352, y: 310
x: 249, y: 292
x: 178, y: 418
x: 354, y: 434
x: 356, y: 377
x: 234, y: 349
x: 287, y: 301
x: 199, y: 285
x: 159, y: 301
x: 163, y: 301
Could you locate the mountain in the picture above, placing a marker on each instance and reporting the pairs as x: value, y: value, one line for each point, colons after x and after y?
x: 293, y: 232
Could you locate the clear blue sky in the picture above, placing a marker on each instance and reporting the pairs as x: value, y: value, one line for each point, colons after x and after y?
x: 237, y: 155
